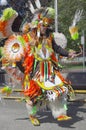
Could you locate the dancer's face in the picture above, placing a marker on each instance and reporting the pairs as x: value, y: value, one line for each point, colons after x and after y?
x: 43, y: 30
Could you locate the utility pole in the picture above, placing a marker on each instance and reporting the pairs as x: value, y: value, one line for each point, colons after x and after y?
x: 56, y: 15
x: 83, y: 44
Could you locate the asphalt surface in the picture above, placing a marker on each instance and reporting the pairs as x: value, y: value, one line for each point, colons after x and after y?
x: 13, y: 116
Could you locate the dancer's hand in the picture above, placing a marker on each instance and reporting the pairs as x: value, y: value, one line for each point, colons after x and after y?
x: 72, y: 54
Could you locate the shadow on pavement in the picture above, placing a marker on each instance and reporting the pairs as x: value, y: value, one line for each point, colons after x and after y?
x: 74, y: 110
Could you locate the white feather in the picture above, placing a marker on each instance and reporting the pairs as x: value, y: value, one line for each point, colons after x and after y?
x: 60, y: 39
x: 29, y: 109
x: 31, y: 7
x: 57, y: 106
x: 38, y: 4
x: 77, y: 17
x: 3, y: 2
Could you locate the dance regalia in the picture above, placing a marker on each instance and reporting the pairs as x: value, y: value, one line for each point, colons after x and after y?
x: 43, y: 84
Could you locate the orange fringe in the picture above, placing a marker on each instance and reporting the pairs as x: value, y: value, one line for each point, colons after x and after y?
x: 25, y: 37
x: 28, y: 62
x: 3, y: 24
x: 53, y: 57
x: 33, y: 91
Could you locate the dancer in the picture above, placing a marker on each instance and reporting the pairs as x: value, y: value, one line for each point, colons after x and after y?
x: 43, y: 83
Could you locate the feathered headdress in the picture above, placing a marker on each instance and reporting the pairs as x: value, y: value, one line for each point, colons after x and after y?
x: 6, y: 21
x: 45, y: 15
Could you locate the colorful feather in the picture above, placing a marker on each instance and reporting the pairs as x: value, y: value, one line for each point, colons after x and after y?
x: 6, y: 22
x: 13, y: 49
x: 6, y: 90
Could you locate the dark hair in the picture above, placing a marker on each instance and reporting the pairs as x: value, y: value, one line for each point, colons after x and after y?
x: 48, y: 31
x: 16, y: 24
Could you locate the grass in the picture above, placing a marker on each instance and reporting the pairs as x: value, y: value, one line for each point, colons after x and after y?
x: 74, y: 66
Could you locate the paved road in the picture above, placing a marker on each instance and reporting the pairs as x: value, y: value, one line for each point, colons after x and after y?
x: 13, y: 116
